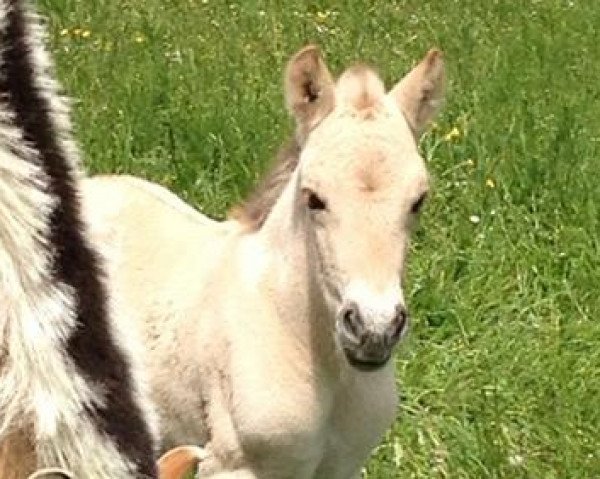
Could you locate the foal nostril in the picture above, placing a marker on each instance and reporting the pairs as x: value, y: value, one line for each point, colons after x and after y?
x: 352, y: 320
x: 398, y: 324
x: 401, y: 314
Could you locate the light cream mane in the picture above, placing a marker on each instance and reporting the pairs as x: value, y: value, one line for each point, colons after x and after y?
x: 253, y: 211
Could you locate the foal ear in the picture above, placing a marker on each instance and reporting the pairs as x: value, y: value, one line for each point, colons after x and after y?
x: 309, y: 89
x: 420, y: 93
x: 177, y: 462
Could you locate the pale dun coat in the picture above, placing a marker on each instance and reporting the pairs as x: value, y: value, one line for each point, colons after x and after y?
x: 267, y: 340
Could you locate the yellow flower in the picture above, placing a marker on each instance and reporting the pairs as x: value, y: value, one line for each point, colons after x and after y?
x: 139, y: 38
x: 86, y: 33
x: 490, y: 183
x: 77, y: 31
x: 64, y: 31
x: 322, y: 16
x: 452, y: 134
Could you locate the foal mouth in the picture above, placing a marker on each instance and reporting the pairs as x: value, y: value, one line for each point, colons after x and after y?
x: 365, y: 364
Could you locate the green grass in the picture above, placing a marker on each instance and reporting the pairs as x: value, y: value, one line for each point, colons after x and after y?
x: 500, y: 377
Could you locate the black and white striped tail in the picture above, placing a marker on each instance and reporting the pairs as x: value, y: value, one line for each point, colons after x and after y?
x: 63, y: 371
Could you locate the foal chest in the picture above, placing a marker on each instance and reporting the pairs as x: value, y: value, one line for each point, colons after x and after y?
x: 315, y: 430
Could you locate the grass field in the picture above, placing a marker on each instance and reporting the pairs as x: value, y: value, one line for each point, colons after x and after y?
x: 500, y: 376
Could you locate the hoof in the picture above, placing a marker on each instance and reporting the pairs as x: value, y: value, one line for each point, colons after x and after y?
x: 179, y: 461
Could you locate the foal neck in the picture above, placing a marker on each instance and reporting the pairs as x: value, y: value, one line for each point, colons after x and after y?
x: 289, y: 272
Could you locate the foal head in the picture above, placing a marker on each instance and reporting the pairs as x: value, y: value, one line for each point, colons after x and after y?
x: 360, y: 184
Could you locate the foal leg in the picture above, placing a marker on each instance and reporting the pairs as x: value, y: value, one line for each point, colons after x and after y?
x: 212, y: 468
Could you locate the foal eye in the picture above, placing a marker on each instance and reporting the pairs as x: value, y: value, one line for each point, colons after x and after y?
x: 417, y: 205
x: 315, y: 203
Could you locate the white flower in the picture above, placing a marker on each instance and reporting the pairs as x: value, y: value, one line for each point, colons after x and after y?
x: 516, y: 460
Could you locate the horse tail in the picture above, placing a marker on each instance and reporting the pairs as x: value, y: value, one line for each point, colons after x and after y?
x: 68, y: 387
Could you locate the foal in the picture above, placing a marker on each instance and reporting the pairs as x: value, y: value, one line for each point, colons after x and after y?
x: 68, y: 394
x: 268, y: 337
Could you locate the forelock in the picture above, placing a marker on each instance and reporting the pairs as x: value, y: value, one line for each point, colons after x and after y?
x: 361, y: 90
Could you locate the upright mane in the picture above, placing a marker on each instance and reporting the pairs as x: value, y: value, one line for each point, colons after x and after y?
x: 68, y: 394
x: 254, y: 211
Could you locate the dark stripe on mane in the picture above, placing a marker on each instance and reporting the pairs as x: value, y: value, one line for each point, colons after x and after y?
x: 91, y: 346
x: 254, y: 211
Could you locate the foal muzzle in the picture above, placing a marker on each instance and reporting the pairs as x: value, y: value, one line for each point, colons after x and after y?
x: 366, y: 346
